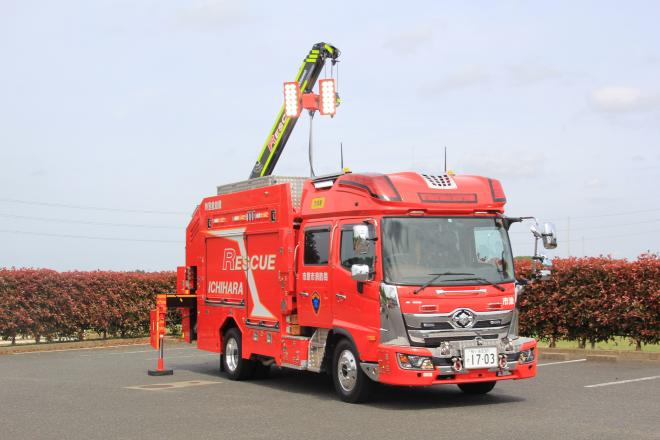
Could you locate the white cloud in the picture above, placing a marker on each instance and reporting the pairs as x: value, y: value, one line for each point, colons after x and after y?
x: 594, y: 183
x: 410, y: 41
x: 214, y: 14
x: 623, y: 99
x: 510, y: 163
x: 469, y: 76
x: 529, y: 74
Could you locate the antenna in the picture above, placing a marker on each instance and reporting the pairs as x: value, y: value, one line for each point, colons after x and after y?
x: 445, y: 159
x: 341, y: 152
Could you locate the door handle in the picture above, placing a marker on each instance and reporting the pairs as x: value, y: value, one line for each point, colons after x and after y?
x: 340, y: 296
x: 304, y: 294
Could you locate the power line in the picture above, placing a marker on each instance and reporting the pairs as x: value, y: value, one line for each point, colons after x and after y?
x: 88, y: 237
x: 83, y: 222
x: 605, y: 236
x: 91, y: 208
x: 611, y: 214
x: 597, y: 227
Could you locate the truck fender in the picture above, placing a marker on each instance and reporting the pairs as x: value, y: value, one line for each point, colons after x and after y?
x: 345, y: 333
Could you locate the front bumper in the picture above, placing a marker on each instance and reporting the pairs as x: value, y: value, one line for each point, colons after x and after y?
x: 390, y: 372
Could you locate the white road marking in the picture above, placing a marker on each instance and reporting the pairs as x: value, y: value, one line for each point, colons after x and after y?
x: 133, y: 352
x: 184, y: 356
x: 561, y: 362
x: 172, y: 385
x: 622, y: 381
x: 78, y: 349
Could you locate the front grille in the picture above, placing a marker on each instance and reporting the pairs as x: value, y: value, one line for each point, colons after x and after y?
x: 433, y: 326
x: 436, y: 341
x: 489, y: 323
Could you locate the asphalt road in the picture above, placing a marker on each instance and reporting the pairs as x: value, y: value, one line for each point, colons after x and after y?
x: 100, y: 393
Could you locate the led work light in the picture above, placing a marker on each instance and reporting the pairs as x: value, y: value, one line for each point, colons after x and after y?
x: 292, y: 98
x: 328, y: 97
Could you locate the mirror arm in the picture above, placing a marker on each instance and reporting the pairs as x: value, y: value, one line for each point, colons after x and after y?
x: 508, y: 221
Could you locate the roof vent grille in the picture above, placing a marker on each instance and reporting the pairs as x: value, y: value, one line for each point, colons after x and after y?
x: 443, y: 181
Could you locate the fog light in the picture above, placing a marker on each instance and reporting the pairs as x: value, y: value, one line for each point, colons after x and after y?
x: 445, y: 349
x: 457, y: 365
x: 526, y: 356
x: 413, y: 362
x: 502, y: 362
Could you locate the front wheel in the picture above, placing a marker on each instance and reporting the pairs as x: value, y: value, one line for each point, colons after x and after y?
x: 477, y: 387
x: 233, y: 363
x: 351, y: 383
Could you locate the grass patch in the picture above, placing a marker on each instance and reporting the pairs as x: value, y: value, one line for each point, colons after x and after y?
x: 617, y: 343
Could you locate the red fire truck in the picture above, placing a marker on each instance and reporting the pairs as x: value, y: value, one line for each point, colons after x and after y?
x: 403, y: 279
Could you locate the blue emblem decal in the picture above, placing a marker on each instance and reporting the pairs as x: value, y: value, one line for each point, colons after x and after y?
x: 316, y: 302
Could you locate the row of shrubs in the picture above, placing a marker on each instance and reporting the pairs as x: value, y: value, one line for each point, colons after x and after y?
x: 45, y: 304
x: 593, y: 300
x: 586, y: 299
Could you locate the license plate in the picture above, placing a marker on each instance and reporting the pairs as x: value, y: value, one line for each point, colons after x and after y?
x: 480, y: 357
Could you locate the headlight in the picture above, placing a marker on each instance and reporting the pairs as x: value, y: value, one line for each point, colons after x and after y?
x: 412, y: 362
x: 526, y: 356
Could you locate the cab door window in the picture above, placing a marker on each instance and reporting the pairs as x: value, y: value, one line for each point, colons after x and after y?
x: 317, y: 245
x: 347, y: 254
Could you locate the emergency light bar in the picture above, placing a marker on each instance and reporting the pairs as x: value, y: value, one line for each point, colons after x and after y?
x: 292, y: 99
x: 328, y: 97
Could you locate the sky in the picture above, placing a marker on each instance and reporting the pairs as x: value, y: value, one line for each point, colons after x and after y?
x: 118, y: 117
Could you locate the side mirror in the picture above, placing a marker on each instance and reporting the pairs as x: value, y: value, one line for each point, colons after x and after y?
x: 546, y: 268
x: 547, y: 233
x: 361, y: 239
x: 360, y: 272
x: 545, y: 271
x: 549, y: 236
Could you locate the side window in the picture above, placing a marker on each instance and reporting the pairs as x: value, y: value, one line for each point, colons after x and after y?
x: 348, y: 255
x: 317, y: 243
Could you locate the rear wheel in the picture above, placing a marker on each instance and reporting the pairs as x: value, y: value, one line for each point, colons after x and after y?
x: 351, y: 383
x: 233, y: 363
x: 477, y: 388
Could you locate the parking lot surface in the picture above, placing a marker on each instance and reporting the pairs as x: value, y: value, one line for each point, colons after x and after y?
x: 106, y: 393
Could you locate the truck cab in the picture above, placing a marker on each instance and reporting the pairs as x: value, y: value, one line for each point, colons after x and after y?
x: 417, y: 270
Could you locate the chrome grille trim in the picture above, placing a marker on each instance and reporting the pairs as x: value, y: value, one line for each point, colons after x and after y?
x: 445, y: 329
x: 415, y: 320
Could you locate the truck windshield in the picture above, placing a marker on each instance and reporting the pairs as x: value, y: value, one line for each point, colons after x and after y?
x: 415, y: 248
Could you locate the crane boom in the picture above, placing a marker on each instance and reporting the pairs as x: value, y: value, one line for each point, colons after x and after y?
x: 279, y: 134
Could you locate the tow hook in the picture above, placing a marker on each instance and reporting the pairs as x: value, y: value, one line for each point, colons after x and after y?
x: 502, y: 361
x: 457, y: 364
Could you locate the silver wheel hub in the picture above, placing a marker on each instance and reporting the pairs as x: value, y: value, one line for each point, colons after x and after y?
x: 232, y: 354
x: 347, y: 370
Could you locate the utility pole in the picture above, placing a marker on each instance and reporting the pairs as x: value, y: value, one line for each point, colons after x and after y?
x: 568, y: 236
x: 583, y: 253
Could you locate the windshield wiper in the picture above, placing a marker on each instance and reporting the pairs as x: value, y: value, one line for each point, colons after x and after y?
x: 435, y: 277
x: 484, y: 280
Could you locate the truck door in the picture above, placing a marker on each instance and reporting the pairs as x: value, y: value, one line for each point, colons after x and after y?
x: 351, y: 307
x: 314, y: 301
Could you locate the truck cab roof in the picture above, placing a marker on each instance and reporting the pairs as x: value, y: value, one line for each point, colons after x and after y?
x: 401, y: 193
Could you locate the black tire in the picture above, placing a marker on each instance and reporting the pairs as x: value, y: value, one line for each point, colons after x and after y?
x: 356, y: 385
x: 477, y: 387
x: 233, y: 364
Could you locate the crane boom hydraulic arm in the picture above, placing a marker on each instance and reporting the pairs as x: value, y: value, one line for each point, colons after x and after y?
x: 279, y: 134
